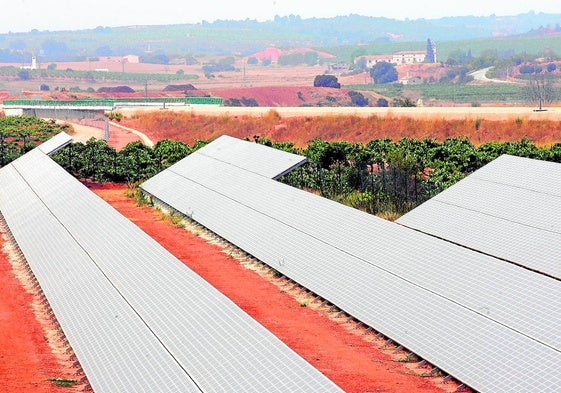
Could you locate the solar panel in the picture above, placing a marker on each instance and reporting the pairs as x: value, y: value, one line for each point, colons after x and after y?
x: 510, y: 209
x: 460, y: 310
x: 252, y: 157
x: 57, y: 142
x: 201, y: 340
x: 116, y: 349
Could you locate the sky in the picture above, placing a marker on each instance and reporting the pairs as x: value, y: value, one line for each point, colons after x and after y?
x: 53, y: 15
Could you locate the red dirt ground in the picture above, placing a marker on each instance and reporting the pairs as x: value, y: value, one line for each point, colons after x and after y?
x: 286, y: 95
x: 352, y: 360
x: 27, y: 363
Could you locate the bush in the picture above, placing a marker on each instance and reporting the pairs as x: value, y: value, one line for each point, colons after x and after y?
x: 116, y: 89
x: 527, y: 69
x: 357, y: 99
x: 240, y: 102
x: 326, y: 81
x: 382, y: 103
x: 383, y: 72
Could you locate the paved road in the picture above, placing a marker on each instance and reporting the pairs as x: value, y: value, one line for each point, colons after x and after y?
x: 480, y: 75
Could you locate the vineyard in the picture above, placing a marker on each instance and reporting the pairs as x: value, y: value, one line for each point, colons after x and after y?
x: 450, y: 92
x: 11, y: 71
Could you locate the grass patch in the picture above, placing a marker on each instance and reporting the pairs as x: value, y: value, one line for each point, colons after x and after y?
x: 410, y: 358
x: 389, y: 215
x: 63, y: 382
x: 173, y: 218
x: 134, y: 192
x: 303, y: 302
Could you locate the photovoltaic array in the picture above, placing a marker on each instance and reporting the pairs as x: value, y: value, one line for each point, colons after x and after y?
x: 137, y: 318
x: 510, y: 208
x: 491, y: 324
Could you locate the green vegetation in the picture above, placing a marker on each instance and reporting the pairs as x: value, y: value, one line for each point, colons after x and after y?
x: 451, y: 92
x: 529, y: 46
x: 112, y: 102
x: 326, y: 81
x: 379, y: 177
x: 62, y: 382
x: 93, y: 75
x: 18, y: 135
x: 383, y: 72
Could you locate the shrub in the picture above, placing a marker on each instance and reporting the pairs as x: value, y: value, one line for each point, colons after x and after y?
x: 357, y: 99
x: 326, y: 81
x: 382, y: 102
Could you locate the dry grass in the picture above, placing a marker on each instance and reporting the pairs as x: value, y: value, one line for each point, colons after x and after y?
x: 512, y: 124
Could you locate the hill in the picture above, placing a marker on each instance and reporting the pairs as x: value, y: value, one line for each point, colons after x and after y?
x: 227, y: 37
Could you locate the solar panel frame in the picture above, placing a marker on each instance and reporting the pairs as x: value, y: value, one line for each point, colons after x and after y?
x: 495, y: 211
x: 55, y: 143
x: 253, y: 157
x: 220, y: 346
x: 326, y: 247
x: 115, y: 348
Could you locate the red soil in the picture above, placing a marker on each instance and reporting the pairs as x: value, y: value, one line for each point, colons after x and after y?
x: 348, y: 356
x: 286, y: 95
x: 27, y: 363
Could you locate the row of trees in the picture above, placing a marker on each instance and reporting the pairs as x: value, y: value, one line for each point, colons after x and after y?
x: 379, y: 176
x: 18, y: 135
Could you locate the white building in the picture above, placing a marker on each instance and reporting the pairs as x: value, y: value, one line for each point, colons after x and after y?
x: 33, y: 65
x: 397, y: 58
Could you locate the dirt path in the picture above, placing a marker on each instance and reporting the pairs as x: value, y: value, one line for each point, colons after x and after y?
x: 147, y: 141
x: 481, y: 75
x: 119, y: 136
x: 351, y: 357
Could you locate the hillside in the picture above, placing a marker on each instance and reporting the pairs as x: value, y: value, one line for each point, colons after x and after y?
x: 224, y: 38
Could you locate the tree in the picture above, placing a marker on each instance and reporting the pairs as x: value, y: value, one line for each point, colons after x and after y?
x: 382, y: 102
x: 383, y: 72
x: 540, y: 89
x: 358, y: 99
x: 24, y: 75
x: 326, y: 81
x: 311, y: 58
x: 403, y: 102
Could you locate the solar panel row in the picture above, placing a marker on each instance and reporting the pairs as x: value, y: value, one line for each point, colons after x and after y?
x: 55, y: 143
x: 490, y: 324
x: 510, y: 208
x: 252, y: 157
x: 136, y: 317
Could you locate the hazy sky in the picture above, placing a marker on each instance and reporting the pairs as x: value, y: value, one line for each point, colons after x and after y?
x: 25, y: 15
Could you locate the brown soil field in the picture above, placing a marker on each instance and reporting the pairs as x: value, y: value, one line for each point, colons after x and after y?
x: 245, y: 76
